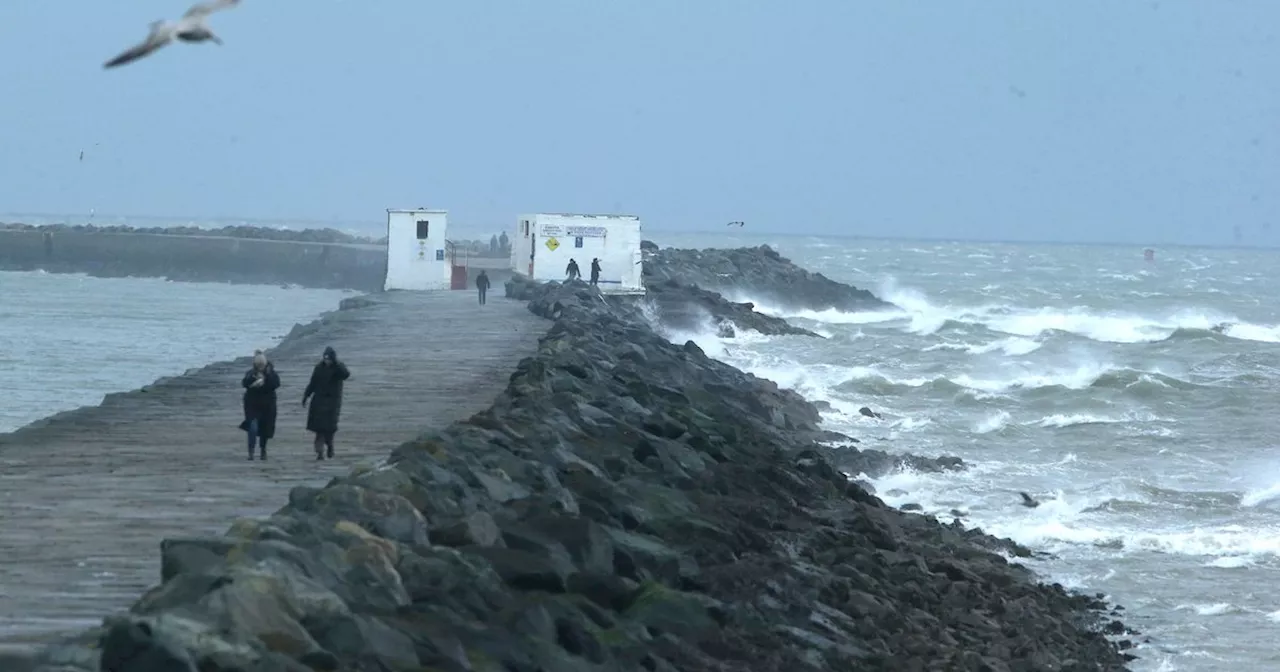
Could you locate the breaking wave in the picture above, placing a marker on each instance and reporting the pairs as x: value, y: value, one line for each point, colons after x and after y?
x: 1024, y: 328
x: 871, y: 380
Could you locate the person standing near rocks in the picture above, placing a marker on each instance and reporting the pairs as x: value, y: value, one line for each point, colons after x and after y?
x: 325, y: 392
x: 595, y: 272
x: 572, y: 272
x: 260, y: 384
x: 482, y: 285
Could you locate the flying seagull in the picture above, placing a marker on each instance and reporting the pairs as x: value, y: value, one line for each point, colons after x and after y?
x: 1029, y: 501
x: 736, y: 224
x: 190, y: 28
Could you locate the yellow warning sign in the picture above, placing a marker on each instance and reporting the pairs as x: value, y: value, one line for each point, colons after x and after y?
x: 552, y: 244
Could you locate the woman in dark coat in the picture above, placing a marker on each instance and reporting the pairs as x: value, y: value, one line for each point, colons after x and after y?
x: 325, y: 392
x: 260, y: 384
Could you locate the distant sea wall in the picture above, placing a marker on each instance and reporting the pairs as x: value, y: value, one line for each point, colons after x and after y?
x: 195, y: 258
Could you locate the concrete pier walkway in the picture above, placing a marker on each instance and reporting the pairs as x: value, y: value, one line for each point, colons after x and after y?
x: 87, y: 496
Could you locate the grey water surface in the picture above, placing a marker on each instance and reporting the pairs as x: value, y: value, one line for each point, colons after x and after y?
x: 68, y: 339
x: 1136, y: 399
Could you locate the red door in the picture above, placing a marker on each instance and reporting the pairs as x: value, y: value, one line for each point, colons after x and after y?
x: 458, y: 279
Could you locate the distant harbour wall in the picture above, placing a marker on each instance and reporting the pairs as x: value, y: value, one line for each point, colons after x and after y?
x: 196, y: 258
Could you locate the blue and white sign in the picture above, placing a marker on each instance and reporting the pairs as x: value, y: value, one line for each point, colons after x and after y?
x: 577, y: 231
x: 586, y: 231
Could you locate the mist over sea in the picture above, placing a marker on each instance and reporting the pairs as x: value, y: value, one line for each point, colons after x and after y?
x: 1136, y: 400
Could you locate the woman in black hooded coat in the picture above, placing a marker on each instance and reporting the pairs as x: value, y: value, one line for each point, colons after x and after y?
x: 325, y: 393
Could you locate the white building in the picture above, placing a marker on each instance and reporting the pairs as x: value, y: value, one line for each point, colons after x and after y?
x: 416, y: 256
x: 544, y: 244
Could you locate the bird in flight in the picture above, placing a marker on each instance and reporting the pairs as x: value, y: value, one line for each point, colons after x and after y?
x: 736, y: 224
x: 190, y: 28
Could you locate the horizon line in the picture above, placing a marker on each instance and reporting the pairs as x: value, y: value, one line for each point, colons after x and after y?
x: 333, y: 223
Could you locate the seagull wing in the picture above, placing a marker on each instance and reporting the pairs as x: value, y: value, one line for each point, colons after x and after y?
x: 206, y: 8
x: 157, y: 39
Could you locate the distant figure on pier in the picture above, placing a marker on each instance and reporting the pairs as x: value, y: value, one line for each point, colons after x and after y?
x: 260, y: 384
x: 595, y: 272
x: 325, y: 392
x: 572, y: 272
x: 482, y: 285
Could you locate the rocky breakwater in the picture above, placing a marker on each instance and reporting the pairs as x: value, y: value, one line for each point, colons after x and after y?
x: 675, y: 306
x: 326, y: 235
x: 309, y: 258
x: 626, y: 504
x: 689, y: 308
x: 758, y: 272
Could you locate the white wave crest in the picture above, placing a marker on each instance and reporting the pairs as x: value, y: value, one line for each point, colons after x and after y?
x: 1060, y: 420
x: 1260, y: 496
x: 921, y: 315
x: 1012, y: 345
x: 1215, y: 609
x: 992, y: 423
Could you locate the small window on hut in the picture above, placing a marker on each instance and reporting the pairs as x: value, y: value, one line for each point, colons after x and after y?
x: 424, y: 229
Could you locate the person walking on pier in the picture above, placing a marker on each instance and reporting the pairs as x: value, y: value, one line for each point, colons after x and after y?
x: 595, y: 272
x: 260, y: 384
x: 325, y: 392
x: 482, y: 285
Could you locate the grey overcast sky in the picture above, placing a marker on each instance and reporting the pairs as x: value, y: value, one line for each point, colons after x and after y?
x: 1100, y: 120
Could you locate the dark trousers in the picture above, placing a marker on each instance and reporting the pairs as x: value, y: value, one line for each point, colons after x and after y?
x: 324, y: 440
x: 483, y: 291
x: 255, y: 437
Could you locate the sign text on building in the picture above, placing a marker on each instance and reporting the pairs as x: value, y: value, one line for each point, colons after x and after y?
x: 574, y: 231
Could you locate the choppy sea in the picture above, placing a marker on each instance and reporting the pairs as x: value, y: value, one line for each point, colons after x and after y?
x: 1136, y: 399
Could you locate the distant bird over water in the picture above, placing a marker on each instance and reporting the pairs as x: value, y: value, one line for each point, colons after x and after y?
x: 736, y: 224
x: 190, y: 28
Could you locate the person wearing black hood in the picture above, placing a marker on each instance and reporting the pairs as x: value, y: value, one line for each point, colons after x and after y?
x: 482, y: 285
x: 260, y: 384
x: 325, y: 392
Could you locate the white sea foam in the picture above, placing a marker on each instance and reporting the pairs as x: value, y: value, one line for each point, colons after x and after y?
x: 916, y: 313
x: 992, y: 422
x: 1260, y: 496
x: 1215, y: 609
x: 1094, y: 395
x: 1012, y: 345
x: 1061, y: 420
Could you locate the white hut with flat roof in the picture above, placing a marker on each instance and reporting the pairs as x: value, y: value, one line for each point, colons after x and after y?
x: 416, y: 246
x: 544, y: 243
